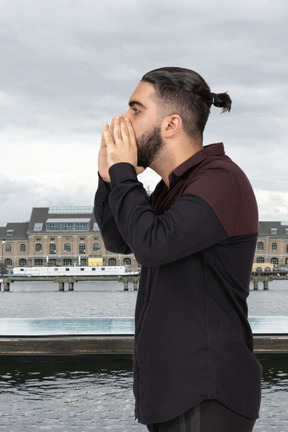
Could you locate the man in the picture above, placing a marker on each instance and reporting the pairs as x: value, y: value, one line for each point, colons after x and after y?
x: 194, y: 368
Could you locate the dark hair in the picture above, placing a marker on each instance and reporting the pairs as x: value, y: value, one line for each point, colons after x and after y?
x: 187, y: 93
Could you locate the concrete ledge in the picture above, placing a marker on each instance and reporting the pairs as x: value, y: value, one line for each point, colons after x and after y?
x: 104, y: 345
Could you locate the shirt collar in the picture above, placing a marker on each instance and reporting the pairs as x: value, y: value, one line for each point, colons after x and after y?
x: 207, y: 151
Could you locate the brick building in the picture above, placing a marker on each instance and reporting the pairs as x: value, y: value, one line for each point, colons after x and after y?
x: 68, y: 236
x: 272, y: 244
x: 57, y: 236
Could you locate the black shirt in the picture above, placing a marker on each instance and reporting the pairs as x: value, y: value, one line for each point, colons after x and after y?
x: 195, y: 242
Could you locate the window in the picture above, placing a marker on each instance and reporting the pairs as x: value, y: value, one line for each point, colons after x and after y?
x: 83, y: 262
x: 52, y: 248
x: 8, y: 262
x: 274, y: 231
x: 286, y: 261
x: 95, y: 227
x: 38, y: 226
x: 22, y: 247
x: 8, y: 247
x: 67, y: 224
x: 67, y: 247
x: 82, y: 248
x: 52, y: 262
x: 127, y: 261
x: 286, y: 248
x: 70, y: 210
x: 38, y: 262
x: 22, y: 262
x: 67, y: 262
x: 274, y: 261
x: 286, y: 231
x: 274, y: 247
x: 38, y: 247
x: 10, y: 232
x: 260, y: 260
x: 96, y: 247
x: 260, y: 246
x: 112, y: 262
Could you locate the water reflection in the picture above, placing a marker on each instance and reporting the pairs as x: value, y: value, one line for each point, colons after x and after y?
x: 275, y: 373
x: 67, y: 395
x: 96, y: 394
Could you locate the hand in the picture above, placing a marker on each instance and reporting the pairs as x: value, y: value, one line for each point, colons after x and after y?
x: 102, y: 161
x: 121, y: 147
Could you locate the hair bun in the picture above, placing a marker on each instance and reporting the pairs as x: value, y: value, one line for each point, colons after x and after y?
x: 221, y: 100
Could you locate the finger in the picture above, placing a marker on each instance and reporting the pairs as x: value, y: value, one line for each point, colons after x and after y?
x: 117, y: 129
x: 103, y: 143
x: 106, y: 135
x: 112, y: 128
x: 125, y: 135
x: 130, y: 131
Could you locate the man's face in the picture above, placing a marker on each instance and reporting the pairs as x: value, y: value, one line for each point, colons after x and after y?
x: 144, y: 115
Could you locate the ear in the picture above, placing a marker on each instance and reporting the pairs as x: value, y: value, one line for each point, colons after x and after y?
x: 171, y: 125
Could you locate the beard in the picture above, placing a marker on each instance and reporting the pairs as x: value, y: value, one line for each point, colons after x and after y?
x: 149, y: 145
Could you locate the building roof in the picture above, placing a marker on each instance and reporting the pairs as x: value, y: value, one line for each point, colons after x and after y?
x: 41, y: 215
x: 273, y: 228
x: 14, y: 231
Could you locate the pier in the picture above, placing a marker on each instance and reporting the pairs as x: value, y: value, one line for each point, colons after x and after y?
x: 70, y: 281
x: 257, y: 278
x: 265, y: 278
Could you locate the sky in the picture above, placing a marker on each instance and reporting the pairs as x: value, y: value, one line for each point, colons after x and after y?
x: 66, y: 66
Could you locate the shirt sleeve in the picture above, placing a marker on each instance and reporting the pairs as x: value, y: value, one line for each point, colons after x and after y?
x: 189, y: 226
x: 111, y: 236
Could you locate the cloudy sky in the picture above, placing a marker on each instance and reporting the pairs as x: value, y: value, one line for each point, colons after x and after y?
x: 68, y: 65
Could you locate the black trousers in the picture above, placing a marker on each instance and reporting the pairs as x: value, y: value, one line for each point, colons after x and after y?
x: 209, y: 416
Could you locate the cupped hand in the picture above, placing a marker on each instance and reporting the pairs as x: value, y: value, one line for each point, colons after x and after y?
x: 117, y: 145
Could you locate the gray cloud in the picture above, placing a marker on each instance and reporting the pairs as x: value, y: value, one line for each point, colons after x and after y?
x: 67, y: 66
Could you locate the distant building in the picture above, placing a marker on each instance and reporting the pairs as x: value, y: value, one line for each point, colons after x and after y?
x: 272, y: 244
x: 70, y: 236
x: 57, y: 236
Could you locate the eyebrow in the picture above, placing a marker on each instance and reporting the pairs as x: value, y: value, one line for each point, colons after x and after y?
x: 135, y: 102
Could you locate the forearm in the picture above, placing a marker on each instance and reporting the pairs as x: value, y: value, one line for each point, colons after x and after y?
x: 111, y: 236
x: 187, y: 227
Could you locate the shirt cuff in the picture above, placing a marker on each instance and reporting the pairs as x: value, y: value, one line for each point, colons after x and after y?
x: 121, y: 171
x: 104, y: 183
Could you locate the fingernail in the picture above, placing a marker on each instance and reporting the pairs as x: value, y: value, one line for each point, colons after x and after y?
x: 127, y: 119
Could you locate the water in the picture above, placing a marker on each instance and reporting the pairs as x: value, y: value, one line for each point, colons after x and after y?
x: 96, y: 395
x: 111, y: 325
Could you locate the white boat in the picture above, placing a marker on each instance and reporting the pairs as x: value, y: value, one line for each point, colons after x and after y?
x: 74, y: 271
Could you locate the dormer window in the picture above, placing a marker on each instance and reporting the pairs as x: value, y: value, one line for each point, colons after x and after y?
x: 274, y: 231
x: 10, y: 232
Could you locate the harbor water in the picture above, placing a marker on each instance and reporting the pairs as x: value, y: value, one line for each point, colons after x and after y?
x: 96, y: 395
